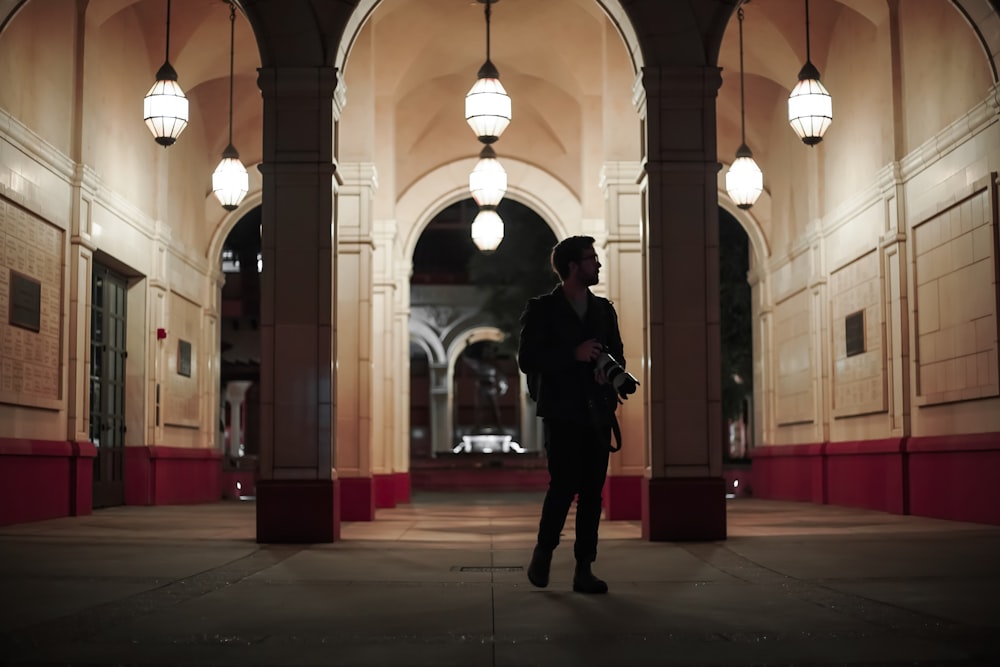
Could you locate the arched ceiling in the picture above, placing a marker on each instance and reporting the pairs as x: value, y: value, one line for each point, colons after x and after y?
x: 547, y: 50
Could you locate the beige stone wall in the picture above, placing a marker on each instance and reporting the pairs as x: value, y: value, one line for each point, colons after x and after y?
x: 863, y: 222
x: 76, y: 161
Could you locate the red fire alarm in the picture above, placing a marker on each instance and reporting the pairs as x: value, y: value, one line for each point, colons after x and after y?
x: 161, y: 333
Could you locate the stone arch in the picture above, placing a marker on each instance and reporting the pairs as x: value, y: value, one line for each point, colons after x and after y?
x: 759, y: 247
x: 547, y: 196
x: 983, y: 17
x: 465, y: 339
x: 612, y: 8
x: 8, y: 9
x: 462, y: 339
x: 428, y: 340
x: 253, y: 199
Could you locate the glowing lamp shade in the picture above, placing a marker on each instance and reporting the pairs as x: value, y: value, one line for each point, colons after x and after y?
x: 230, y: 181
x: 487, y: 230
x: 165, y: 108
x: 810, y: 107
x: 487, y: 109
x: 488, y: 181
x: 744, y: 180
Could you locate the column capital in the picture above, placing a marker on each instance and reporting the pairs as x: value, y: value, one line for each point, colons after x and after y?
x: 292, y: 82
x: 680, y: 114
x: 676, y: 83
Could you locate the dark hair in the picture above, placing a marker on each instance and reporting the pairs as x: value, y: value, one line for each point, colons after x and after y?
x: 569, y: 250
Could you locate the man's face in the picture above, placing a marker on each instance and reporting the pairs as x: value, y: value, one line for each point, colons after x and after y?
x: 588, y: 267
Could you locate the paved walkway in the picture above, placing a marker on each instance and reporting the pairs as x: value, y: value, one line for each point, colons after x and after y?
x: 440, y: 582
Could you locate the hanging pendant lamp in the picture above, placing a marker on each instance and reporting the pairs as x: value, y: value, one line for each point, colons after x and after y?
x: 487, y: 105
x: 230, y: 181
x: 487, y: 229
x: 744, y: 180
x: 488, y: 181
x: 165, y: 108
x: 810, y: 107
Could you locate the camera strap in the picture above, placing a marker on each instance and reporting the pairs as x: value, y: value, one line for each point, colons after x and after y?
x: 616, y: 429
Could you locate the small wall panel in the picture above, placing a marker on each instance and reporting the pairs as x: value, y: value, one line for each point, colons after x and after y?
x: 31, y: 295
x: 859, y: 369
x: 955, y: 273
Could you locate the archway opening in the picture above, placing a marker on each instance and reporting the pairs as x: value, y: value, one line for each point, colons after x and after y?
x: 735, y: 333
x: 239, y: 354
x: 470, y: 396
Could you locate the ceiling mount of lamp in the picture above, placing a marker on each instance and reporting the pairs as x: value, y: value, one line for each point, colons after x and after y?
x: 810, y: 106
x: 165, y: 108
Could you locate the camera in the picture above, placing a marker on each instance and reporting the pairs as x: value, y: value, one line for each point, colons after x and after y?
x: 623, y: 382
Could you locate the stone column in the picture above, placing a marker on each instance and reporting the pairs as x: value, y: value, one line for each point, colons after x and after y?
x: 297, y: 494
x: 622, y: 260
x: 401, y: 395
x: 893, y: 243
x: 683, y: 494
x: 81, y: 265
x: 354, y: 341
x: 441, y: 431
x: 383, y: 302
x: 236, y: 393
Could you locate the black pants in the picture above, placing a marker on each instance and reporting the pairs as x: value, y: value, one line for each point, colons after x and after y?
x: 578, y: 464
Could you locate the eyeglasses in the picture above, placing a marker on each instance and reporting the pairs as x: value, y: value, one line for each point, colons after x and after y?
x: 587, y: 257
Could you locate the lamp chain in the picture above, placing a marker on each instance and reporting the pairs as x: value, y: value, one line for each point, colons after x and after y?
x: 488, y: 3
x: 232, y: 40
x: 743, y: 122
x: 166, y: 57
x: 808, y: 59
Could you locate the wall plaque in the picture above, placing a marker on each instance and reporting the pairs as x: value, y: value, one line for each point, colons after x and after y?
x: 25, y: 302
x: 854, y: 333
x: 184, y: 358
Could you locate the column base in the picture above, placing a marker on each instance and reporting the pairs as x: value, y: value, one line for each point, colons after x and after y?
x: 623, y: 498
x: 302, y: 511
x: 385, y: 491
x: 357, y: 499
x: 402, y: 485
x: 684, y: 509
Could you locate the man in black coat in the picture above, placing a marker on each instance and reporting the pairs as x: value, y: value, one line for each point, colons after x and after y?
x: 562, y: 335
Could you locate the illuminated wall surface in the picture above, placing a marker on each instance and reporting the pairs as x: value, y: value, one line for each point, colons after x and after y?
x: 873, y: 255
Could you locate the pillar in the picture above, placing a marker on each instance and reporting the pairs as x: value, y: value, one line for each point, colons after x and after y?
x: 386, y: 374
x: 683, y: 493
x: 235, y: 395
x: 355, y: 390
x: 622, y: 259
x: 297, y: 499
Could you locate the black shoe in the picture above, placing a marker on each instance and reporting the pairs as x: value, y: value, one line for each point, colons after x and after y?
x: 584, y: 581
x: 538, y: 570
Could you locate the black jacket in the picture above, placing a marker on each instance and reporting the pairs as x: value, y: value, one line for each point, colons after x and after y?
x: 550, y: 332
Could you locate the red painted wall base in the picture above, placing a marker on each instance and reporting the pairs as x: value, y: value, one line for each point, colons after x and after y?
x: 623, y: 498
x: 44, y: 479
x: 946, y: 477
x: 401, y: 482
x: 385, y: 491
x: 685, y: 509
x: 305, y: 511
x: 794, y: 472
x: 158, y: 475
x: 866, y: 474
x: 357, y: 499
x: 955, y: 477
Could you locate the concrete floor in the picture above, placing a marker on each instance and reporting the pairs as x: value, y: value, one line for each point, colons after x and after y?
x: 441, y: 582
